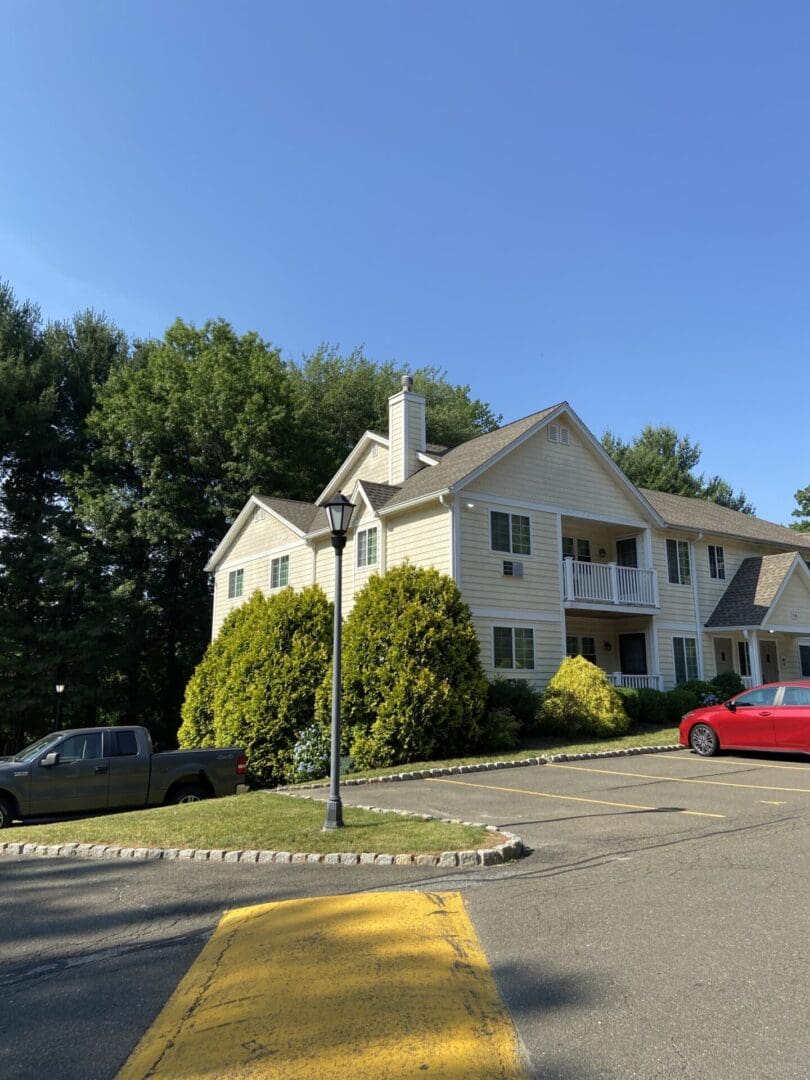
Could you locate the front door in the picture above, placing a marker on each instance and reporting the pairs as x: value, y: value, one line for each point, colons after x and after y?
x: 769, y: 660
x: 723, y: 655
x: 633, y: 654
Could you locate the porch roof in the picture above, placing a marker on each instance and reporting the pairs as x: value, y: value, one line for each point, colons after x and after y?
x: 752, y: 591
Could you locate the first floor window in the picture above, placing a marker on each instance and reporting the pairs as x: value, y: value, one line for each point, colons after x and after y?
x: 510, y: 532
x: 744, y: 657
x: 514, y: 647
x: 280, y: 572
x: 678, y: 562
x: 686, y: 665
x: 236, y: 583
x: 367, y: 547
x: 581, y: 646
x: 804, y: 659
x: 717, y: 567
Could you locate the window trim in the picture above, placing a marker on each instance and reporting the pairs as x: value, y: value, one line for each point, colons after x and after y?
x: 717, y: 563
x: 362, y: 549
x: 684, y: 572
x: 744, y: 659
x: 804, y: 643
x: 580, y: 640
x: 576, y: 542
x: 236, y: 583
x: 512, y: 638
x: 510, y: 550
x: 687, y: 676
x: 275, y: 564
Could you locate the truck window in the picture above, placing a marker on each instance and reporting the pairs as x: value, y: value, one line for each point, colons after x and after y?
x: 81, y: 747
x: 122, y: 744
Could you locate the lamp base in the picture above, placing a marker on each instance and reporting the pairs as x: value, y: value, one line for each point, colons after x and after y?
x: 334, y: 814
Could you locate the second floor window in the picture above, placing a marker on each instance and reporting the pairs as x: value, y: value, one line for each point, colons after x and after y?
x: 678, y: 562
x: 576, y: 548
x: 367, y: 547
x: 717, y: 568
x: 510, y: 532
x: 280, y: 572
x: 236, y: 583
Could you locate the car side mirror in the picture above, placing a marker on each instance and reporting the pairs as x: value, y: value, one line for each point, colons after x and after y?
x: 731, y: 706
x: 50, y: 759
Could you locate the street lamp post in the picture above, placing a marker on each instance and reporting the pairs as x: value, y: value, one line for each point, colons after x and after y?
x: 339, y: 512
x: 60, y: 689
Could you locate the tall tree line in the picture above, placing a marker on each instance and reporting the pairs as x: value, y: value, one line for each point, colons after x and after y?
x: 122, y: 463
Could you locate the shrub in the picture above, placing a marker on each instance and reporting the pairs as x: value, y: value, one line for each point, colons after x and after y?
x: 500, y: 730
x: 679, y: 701
x: 310, y: 755
x: 413, y: 686
x: 728, y: 683
x: 579, y: 698
x: 258, y: 689
x: 652, y: 707
x: 521, y: 700
x: 631, y: 702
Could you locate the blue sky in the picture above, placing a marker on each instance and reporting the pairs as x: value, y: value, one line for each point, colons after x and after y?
x: 604, y: 202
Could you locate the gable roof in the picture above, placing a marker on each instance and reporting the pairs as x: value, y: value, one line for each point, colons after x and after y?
x: 700, y: 515
x: 298, y: 516
x: 753, y: 589
x: 378, y: 495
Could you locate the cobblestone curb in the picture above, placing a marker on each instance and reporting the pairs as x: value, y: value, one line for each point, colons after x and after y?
x: 489, y: 766
x: 511, y: 848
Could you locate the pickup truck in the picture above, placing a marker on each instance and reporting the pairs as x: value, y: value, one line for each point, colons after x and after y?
x: 88, y: 770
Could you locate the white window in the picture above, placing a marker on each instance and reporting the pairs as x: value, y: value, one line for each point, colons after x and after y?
x: 367, y: 547
x: 513, y: 647
x: 574, y: 547
x: 236, y: 583
x: 280, y: 572
x: 678, y: 562
x: 581, y: 646
x: 686, y: 665
x: 717, y: 567
x: 510, y: 532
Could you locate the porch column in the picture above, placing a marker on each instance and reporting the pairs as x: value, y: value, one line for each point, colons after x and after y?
x: 568, y: 576
x: 753, y: 656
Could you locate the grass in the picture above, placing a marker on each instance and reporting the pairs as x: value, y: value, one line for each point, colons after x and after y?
x: 257, y: 821
x: 539, y: 747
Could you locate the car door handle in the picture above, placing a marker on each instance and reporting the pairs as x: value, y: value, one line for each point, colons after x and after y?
x: 765, y: 712
x: 101, y: 768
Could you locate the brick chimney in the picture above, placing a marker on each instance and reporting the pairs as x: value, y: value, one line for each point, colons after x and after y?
x: 406, y: 432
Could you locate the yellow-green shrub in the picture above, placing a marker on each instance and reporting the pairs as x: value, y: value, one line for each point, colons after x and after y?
x: 580, y: 699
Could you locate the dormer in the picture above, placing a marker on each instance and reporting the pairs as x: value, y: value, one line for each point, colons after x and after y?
x: 406, y: 432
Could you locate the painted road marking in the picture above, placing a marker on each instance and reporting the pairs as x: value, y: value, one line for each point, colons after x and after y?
x: 772, y: 802
x: 736, y: 763
x: 362, y: 986
x: 677, y: 779
x: 565, y: 798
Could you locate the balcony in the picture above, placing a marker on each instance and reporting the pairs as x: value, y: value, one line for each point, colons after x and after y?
x: 636, y: 682
x: 588, y: 583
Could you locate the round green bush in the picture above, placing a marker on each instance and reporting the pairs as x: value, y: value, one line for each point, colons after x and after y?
x: 579, y: 698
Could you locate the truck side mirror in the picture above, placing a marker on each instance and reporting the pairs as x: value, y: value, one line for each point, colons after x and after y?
x: 50, y: 759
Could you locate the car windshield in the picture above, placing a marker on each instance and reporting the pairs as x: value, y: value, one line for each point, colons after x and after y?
x: 39, y: 747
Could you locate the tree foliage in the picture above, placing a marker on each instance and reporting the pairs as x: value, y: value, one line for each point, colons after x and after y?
x: 579, y: 698
x: 802, y: 511
x: 255, y: 687
x: 413, y: 686
x: 661, y: 459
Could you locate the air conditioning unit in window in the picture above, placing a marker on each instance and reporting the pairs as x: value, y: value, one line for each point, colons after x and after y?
x: 513, y: 569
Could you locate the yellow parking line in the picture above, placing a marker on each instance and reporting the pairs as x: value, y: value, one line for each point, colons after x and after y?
x: 677, y: 779
x: 565, y: 798
x: 736, y: 764
x: 772, y: 802
x: 362, y: 986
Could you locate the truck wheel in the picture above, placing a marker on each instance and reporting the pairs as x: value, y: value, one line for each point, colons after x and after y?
x: 6, y: 814
x: 188, y: 793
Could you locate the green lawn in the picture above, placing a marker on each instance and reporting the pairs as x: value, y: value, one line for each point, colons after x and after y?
x: 258, y: 821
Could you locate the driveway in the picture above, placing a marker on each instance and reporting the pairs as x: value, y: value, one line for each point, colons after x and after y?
x: 657, y: 930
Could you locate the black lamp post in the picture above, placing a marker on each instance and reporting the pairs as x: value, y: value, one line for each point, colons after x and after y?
x: 60, y: 689
x: 339, y: 512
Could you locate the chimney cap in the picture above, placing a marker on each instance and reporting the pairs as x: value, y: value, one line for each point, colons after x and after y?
x: 407, y: 382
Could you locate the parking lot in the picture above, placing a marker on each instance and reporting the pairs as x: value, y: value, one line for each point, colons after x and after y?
x: 657, y: 930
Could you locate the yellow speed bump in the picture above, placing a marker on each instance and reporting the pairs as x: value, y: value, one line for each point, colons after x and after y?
x: 367, y: 986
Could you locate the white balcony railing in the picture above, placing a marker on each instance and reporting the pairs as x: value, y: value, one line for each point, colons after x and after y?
x: 636, y: 682
x: 609, y: 583
x: 747, y: 681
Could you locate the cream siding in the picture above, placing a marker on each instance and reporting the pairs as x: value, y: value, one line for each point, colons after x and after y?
x: 677, y: 601
x: 711, y: 589
x: 370, y: 466
x: 421, y: 537
x: 793, y: 606
x: 396, y: 437
x: 572, y: 477
x: 546, y: 649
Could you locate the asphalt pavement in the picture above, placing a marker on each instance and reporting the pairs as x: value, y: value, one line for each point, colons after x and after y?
x: 657, y: 930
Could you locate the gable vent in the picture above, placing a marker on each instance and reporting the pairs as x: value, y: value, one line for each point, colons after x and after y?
x: 513, y: 569
x: 558, y: 434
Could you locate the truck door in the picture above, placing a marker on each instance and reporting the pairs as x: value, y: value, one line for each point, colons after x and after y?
x: 78, y: 782
x: 129, y: 770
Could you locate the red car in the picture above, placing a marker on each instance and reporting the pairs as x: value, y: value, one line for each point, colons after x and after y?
x: 775, y: 716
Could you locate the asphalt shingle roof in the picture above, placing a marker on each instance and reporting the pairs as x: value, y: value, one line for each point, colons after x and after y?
x: 301, y: 514
x: 379, y: 494
x: 752, y: 590
x: 681, y: 511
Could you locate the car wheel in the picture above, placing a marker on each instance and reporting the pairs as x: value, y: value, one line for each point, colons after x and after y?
x: 6, y: 814
x: 188, y: 793
x: 703, y: 740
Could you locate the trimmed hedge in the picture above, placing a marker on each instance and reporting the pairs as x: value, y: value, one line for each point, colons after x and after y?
x: 580, y: 699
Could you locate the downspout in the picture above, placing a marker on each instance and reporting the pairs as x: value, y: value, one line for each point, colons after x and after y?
x: 698, y: 622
